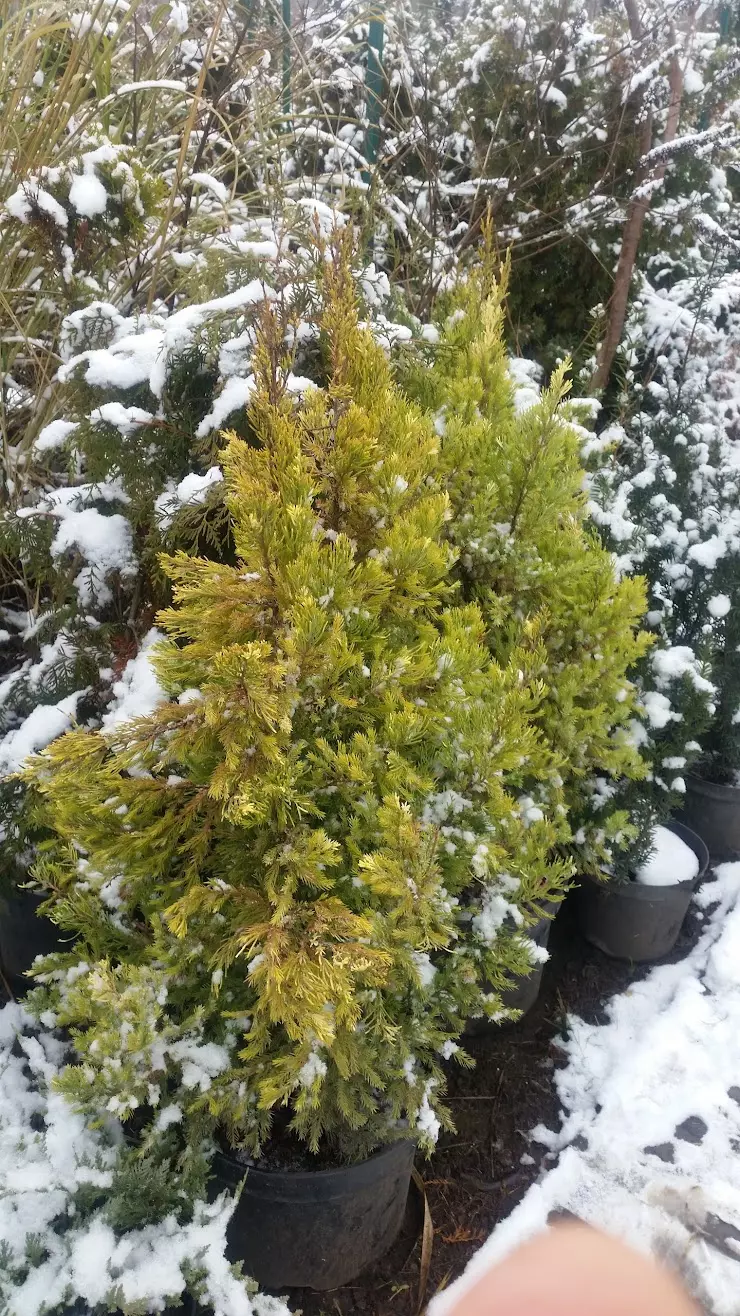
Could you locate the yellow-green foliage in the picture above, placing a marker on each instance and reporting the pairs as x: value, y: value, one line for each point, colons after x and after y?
x: 544, y: 583
x: 305, y: 859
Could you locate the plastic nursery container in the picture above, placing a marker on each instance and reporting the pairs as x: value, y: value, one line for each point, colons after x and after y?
x: 713, y: 811
x: 24, y: 934
x: 524, y: 991
x: 316, y: 1229
x: 630, y: 921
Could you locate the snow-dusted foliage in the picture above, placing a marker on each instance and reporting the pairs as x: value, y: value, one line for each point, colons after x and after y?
x: 97, y: 201
x: 67, y: 1189
x: 542, y: 118
x: 669, y: 503
x: 294, y: 878
x: 408, y: 748
x: 132, y: 468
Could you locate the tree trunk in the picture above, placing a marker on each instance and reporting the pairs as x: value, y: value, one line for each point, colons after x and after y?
x: 637, y: 209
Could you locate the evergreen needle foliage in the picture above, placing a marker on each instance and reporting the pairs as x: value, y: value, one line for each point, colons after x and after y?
x: 292, y: 880
x: 546, y: 587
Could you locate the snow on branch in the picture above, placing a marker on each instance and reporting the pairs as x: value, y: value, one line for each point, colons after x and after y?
x: 689, y: 144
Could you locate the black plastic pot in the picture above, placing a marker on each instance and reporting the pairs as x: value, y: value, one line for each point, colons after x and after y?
x: 523, y: 991
x: 24, y: 934
x: 713, y: 811
x: 630, y: 921
x: 316, y: 1229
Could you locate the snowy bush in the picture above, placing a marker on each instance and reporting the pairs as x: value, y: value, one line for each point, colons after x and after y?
x: 669, y: 505
x: 132, y: 467
x: 547, y: 589
x: 84, y: 209
x: 69, y: 1232
x: 539, y: 119
x: 325, y: 797
x: 102, y: 493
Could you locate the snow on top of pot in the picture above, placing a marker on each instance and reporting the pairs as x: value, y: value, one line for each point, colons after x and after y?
x: 671, y: 861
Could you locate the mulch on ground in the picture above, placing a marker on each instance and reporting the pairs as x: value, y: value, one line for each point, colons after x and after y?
x: 476, y: 1176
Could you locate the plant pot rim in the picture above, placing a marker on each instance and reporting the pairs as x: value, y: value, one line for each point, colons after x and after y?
x: 721, y: 790
x: 637, y: 890
x: 229, y: 1162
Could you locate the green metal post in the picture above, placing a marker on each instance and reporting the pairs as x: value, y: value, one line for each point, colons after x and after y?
x: 725, y: 28
x: 287, y: 100
x: 374, y: 90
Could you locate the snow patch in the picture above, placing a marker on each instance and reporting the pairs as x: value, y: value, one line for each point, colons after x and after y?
x: 87, y: 195
x: 44, y: 723
x: 138, y: 692
x: 670, y: 862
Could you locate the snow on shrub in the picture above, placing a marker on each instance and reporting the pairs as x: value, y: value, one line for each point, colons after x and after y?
x: 667, y: 502
x: 511, y: 458
x: 132, y: 467
x: 71, y: 1197
x: 317, y: 847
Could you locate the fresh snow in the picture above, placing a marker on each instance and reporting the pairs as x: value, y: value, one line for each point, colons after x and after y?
x: 30, y: 197
x: 54, y: 435
x: 105, y: 543
x: 44, y: 723
x: 235, y: 394
x: 651, y: 1111
x: 671, y: 861
x: 191, y: 490
x: 138, y: 692
x: 719, y: 606
x: 211, y: 184
x: 143, y: 346
x: 87, y: 195
x: 179, y: 18
x: 146, y: 84
x: 677, y: 661
x: 124, y: 419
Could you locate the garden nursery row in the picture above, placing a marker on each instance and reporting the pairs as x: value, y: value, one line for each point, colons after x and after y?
x: 369, y: 611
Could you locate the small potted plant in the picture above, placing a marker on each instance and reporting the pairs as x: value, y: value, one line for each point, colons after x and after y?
x: 632, y: 901
x: 637, y: 914
x: 288, y: 879
x: 712, y: 802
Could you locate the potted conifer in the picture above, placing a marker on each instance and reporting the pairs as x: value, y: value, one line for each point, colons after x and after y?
x: 667, y: 505
x: 639, y: 915
x: 712, y: 802
x: 290, y: 880
x: 632, y: 904
x: 552, y: 603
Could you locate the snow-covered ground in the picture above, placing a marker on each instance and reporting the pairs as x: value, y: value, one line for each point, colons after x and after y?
x: 649, y: 1147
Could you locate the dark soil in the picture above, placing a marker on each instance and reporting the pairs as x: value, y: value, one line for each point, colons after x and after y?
x: 476, y: 1176
x: 286, y: 1151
